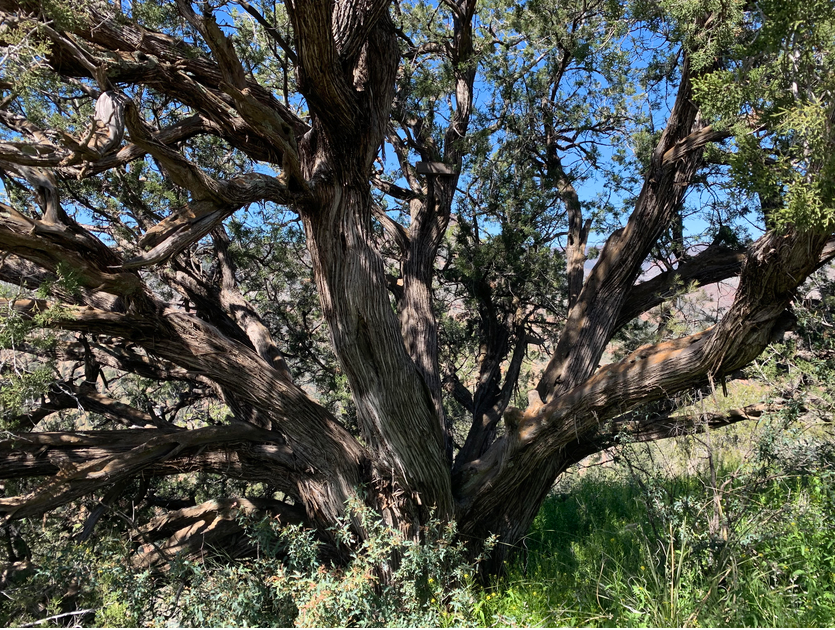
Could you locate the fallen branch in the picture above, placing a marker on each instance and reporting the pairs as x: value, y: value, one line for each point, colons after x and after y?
x: 85, y: 611
x: 194, y: 531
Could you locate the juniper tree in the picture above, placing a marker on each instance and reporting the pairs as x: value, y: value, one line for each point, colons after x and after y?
x: 361, y: 230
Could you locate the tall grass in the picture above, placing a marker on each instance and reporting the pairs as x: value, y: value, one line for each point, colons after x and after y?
x: 736, y: 544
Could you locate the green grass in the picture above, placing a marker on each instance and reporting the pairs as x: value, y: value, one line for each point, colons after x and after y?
x: 621, y: 548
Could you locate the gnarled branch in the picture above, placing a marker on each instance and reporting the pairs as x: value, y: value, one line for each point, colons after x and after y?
x: 80, y: 463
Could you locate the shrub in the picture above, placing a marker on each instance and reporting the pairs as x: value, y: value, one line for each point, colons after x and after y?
x: 388, y: 580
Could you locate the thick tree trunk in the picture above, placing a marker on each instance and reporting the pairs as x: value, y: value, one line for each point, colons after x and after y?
x: 395, y: 407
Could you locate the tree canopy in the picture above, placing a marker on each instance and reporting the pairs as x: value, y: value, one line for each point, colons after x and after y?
x: 344, y: 250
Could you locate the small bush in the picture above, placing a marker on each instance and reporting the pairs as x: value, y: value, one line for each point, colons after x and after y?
x: 388, y: 580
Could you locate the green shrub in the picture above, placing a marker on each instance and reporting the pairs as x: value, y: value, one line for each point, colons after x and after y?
x: 388, y: 580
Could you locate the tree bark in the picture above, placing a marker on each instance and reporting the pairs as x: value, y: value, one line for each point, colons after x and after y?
x: 498, y: 487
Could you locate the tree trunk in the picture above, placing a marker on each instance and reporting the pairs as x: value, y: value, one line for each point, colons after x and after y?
x: 395, y: 407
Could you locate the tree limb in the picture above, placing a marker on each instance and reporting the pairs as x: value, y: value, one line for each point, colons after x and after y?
x: 693, y: 142
x: 179, y: 131
x: 591, y: 322
x: 716, y: 263
x: 314, y: 435
x: 271, y: 30
x: 193, y: 532
x: 776, y: 265
x: 51, y: 246
x: 653, y: 427
x: 66, y: 395
x: 73, y: 479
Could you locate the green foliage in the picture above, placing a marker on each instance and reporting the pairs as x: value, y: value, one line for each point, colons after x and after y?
x: 68, y: 576
x: 706, y: 28
x: 23, y: 378
x: 773, y: 91
x: 22, y: 386
x: 22, y: 61
x: 389, y: 580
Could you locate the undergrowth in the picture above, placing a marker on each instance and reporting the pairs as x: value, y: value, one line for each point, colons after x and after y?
x: 739, y: 542
x: 748, y: 544
x: 389, y: 581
